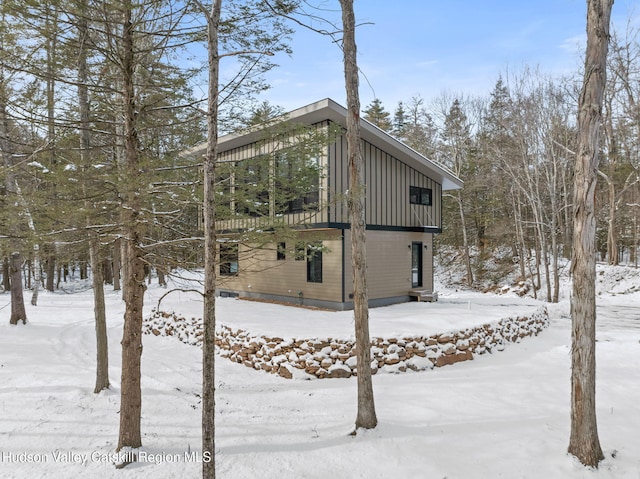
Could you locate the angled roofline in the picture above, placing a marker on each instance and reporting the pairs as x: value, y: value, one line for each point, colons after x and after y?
x: 328, y: 109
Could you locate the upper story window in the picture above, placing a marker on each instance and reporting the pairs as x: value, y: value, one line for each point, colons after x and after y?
x: 223, y: 191
x: 297, y: 182
x: 252, y: 186
x: 282, y: 183
x: 419, y: 196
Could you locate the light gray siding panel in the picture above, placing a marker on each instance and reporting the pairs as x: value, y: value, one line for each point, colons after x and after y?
x: 261, y: 273
x: 389, y: 263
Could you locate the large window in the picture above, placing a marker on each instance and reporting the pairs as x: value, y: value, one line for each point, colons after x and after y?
x: 252, y: 186
x: 228, y: 259
x: 314, y: 262
x: 297, y: 182
x: 419, y: 196
x: 224, y: 190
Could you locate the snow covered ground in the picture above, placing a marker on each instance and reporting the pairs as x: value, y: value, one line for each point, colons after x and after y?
x: 500, y: 415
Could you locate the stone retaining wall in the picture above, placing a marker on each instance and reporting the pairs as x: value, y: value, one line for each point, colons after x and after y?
x: 335, y: 358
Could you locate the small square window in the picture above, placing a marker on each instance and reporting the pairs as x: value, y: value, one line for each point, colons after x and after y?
x: 419, y: 196
x: 281, y: 251
x: 414, y: 195
x: 425, y: 196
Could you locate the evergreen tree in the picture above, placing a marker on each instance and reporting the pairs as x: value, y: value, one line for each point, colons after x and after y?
x: 264, y: 113
x: 11, y: 147
x: 457, y: 151
x: 399, y: 120
x: 376, y: 114
x: 489, y: 212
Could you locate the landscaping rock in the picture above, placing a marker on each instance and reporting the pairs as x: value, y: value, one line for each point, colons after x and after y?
x: 453, y: 358
x: 329, y: 358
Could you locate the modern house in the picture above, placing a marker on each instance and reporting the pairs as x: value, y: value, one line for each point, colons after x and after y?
x: 313, y: 266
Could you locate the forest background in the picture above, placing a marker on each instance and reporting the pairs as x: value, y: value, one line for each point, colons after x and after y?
x: 513, y: 146
x: 98, y: 106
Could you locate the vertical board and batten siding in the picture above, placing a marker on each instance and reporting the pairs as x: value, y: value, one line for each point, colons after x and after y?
x: 387, y: 181
x: 389, y: 263
x: 261, y: 273
x: 255, y: 149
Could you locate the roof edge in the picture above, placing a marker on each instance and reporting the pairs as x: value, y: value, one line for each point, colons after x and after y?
x: 328, y: 109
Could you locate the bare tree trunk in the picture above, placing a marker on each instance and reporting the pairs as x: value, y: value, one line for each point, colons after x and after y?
x: 612, y: 233
x: 465, y: 240
x: 131, y: 394
x: 566, y: 209
x: 584, y: 442
x: 18, y: 311
x: 547, y: 272
x: 51, y: 269
x: 84, y: 273
x: 107, y: 271
x: 555, y: 218
x: 538, y: 282
x: 634, y: 249
x: 517, y: 211
x: 555, y: 253
x: 532, y: 274
x: 615, y: 200
x: 117, y: 250
x: 28, y: 275
x: 366, y: 417
x: 124, y: 267
x: 209, y: 319
x: 51, y: 45
x: 162, y: 280
x: 6, y: 284
x: 134, y: 285
x: 102, y: 348
x: 34, y: 265
x: 36, y: 274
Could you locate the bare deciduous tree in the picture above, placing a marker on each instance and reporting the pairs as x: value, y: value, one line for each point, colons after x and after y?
x: 102, y: 348
x: 209, y: 315
x: 18, y: 312
x: 366, y: 416
x: 584, y: 443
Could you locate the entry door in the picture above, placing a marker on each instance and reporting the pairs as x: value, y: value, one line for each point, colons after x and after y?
x: 416, y: 264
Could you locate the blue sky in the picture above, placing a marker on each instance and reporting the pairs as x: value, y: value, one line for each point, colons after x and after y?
x: 425, y: 47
